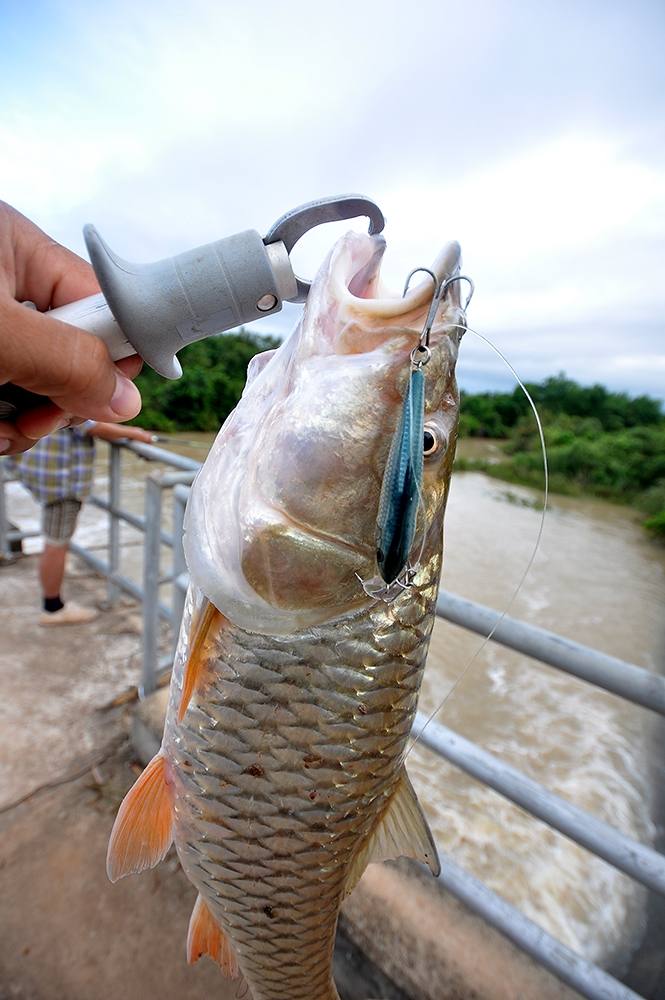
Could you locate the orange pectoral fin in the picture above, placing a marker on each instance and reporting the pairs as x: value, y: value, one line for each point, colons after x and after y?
x: 209, y: 622
x: 143, y: 829
x: 205, y: 937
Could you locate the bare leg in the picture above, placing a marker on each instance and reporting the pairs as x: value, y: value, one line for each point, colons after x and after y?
x: 52, y: 569
x: 59, y: 520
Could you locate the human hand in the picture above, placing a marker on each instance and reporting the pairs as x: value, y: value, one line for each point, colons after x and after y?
x: 70, y: 366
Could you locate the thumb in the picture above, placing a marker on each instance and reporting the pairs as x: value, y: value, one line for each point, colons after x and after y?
x: 70, y: 366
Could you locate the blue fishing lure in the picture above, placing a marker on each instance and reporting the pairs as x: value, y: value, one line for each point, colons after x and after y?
x: 401, y: 490
x: 402, y: 484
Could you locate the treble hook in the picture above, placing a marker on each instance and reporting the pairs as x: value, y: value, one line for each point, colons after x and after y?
x: 421, y: 354
x: 416, y: 270
x: 460, y: 277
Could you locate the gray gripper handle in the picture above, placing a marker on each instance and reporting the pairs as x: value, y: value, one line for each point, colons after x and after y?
x: 165, y: 305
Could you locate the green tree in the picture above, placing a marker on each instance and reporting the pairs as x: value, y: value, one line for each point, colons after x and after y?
x: 598, y: 441
x: 214, y: 373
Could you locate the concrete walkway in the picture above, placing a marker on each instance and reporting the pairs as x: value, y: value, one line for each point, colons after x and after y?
x: 66, y: 933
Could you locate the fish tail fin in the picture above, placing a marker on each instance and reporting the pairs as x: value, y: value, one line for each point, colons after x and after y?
x: 206, y: 937
x: 143, y: 829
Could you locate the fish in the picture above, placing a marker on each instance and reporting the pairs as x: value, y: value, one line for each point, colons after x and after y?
x: 281, y: 772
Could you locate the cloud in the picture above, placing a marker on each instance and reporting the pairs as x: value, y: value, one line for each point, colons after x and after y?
x: 525, y: 132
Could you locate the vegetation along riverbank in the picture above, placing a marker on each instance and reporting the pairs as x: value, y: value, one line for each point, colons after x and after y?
x: 599, y: 442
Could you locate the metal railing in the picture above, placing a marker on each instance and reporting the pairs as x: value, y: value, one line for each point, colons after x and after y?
x: 625, y: 680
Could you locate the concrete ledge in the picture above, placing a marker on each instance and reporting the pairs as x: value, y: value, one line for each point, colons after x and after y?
x: 148, y: 724
x: 433, y: 947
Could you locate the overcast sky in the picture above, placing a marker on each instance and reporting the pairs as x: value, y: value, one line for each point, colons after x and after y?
x: 534, y: 133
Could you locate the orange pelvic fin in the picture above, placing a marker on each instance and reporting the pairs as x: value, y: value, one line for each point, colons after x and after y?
x: 206, y: 629
x: 205, y: 937
x: 402, y: 831
x: 143, y: 829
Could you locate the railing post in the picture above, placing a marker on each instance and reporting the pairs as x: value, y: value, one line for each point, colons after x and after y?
x: 5, y: 548
x: 151, y: 577
x: 180, y: 493
x: 115, y: 454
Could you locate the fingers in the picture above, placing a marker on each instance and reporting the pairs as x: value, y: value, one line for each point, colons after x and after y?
x: 40, y: 421
x: 43, y: 420
x: 70, y: 366
x: 131, y: 366
x: 46, y: 356
x: 12, y: 442
x: 37, y: 268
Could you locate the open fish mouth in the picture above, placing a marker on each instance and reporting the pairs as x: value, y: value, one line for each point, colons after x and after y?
x: 363, y: 283
x: 356, y: 264
x: 361, y: 312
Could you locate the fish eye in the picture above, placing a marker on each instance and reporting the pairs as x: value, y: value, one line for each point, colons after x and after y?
x: 431, y: 440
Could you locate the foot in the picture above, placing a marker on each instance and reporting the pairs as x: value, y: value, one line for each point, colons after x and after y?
x: 70, y: 614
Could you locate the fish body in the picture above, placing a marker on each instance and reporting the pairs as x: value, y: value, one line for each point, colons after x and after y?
x: 281, y: 772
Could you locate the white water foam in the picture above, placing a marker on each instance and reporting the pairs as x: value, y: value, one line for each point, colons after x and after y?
x: 582, y: 743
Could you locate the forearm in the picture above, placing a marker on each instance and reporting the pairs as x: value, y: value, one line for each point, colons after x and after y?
x: 116, y: 432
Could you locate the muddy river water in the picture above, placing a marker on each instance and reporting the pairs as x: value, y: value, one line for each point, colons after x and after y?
x: 598, y: 579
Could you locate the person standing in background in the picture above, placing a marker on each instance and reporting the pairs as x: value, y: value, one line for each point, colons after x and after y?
x: 58, y: 471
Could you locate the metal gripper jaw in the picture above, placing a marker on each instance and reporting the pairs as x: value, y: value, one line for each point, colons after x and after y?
x: 163, y: 306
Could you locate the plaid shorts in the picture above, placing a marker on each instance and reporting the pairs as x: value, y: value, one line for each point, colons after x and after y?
x: 59, y: 520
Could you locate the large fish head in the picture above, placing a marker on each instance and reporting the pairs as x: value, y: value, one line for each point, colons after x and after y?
x: 281, y: 521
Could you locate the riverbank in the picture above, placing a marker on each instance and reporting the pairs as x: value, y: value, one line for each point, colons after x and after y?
x: 599, y: 443
x: 492, y: 458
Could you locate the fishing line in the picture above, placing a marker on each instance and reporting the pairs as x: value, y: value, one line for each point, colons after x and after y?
x: 539, y: 535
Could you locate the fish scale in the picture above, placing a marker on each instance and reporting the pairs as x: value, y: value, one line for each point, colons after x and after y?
x: 270, y: 848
